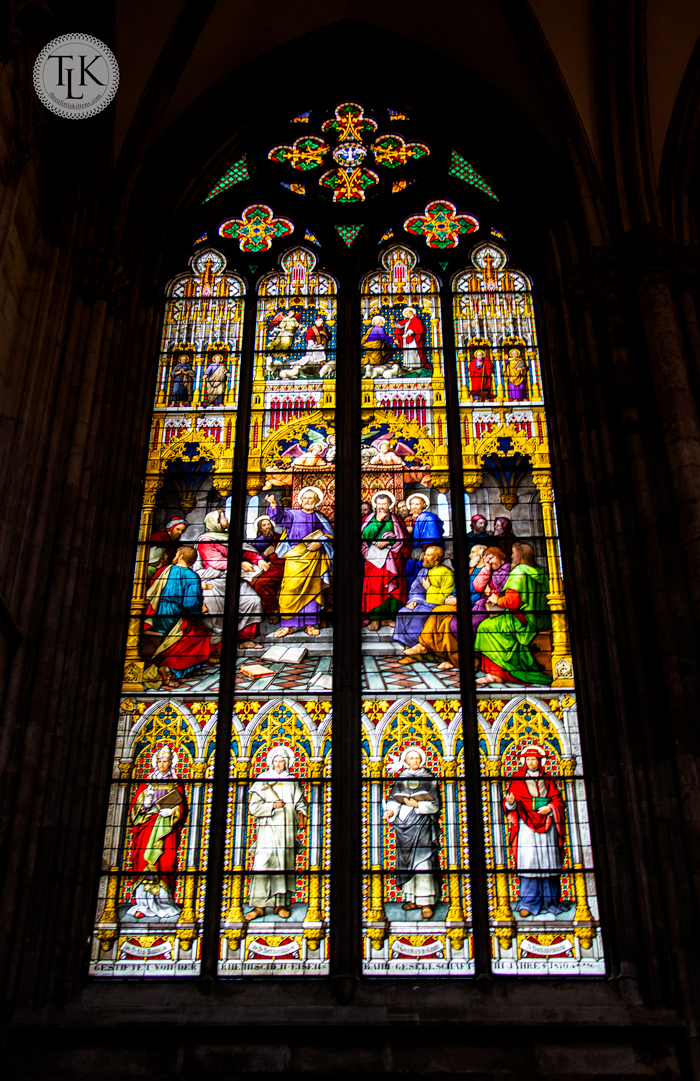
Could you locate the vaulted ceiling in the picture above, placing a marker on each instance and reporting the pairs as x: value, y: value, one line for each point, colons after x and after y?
x: 482, y: 35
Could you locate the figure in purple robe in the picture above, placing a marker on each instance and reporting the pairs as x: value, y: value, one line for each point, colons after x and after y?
x: 491, y: 578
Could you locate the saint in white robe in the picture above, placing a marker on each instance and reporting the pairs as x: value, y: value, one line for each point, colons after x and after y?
x: 277, y: 841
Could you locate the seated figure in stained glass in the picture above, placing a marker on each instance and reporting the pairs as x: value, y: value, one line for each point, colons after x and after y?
x: 515, y: 617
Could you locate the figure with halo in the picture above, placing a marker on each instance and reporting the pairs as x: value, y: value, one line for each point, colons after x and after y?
x: 413, y: 810
x: 279, y: 808
x: 306, y: 549
x: 157, y: 814
x: 384, y: 583
x: 536, y: 819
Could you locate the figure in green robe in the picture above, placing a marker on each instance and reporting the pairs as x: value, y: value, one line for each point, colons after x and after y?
x: 505, y: 638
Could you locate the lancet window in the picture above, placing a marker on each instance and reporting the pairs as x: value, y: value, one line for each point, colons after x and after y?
x: 474, y: 849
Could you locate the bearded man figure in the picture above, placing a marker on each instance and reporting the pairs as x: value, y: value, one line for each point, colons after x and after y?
x: 306, y: 549
x: 175, y: 603
x: 157, y: 815
x: 537, y: 829
x: 413, y: 809
x: 279, y: 808
x: 515, y: 617
x: 384, y: 586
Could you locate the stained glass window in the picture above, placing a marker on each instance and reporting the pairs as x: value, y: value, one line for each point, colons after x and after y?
x: 151, y: 904
x: 474, y: 844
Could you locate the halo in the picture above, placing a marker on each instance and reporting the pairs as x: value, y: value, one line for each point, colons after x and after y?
x: 390, y: 497
x: 310, y: 488
x: 413, y: 747
x: 259, y: 519
x: 280, y: 750
x: 174, y: 756
x: 418, y: 495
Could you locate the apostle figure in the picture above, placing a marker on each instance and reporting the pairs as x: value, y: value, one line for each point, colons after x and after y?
x: 307, y: 551
x: 210, y: 565
x: 536, y: 834
x: 426, y: 528
x: 438, y: 639
x: 515, y: 618
x: 478, y: 534
x: 250, y: 606
x: 215, y: 376
x: 157, y: 814
x: 182, y: 380
x: 262, y: 553
x: 164, y: 543
x: 384, y: 583
x: 278, y: 806
x: 410, y: 333
x: 481, y: 377
x: 515, y: 375
x: 378, y: 349
x: 413, y: 809
x: 174, y: 602
x: 433, y: 585
x: 489, y: 579
x: 503, y: 536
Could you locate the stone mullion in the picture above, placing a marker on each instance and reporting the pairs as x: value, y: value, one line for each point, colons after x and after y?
x: 346, y: 804
x: 470, y: 728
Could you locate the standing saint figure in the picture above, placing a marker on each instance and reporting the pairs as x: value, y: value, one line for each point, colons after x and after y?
x: 378, y: 349
x: 481, y: 376
x: 384, y: 583
x: 278, y: 806
x: 157, y: 814
x: 215, y: 376
x: 181, y: 381
x: 410, y: 334
x: 515, y: 375
x: 306, y: 548
x: 413, y: 809
x: 537, y: 829
x: 515, y: 617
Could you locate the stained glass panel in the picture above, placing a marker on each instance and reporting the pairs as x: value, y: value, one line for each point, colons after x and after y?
x: 544, y: 912
x: 275, y: 908
x: 417, y: 912
x: 150, y: 909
